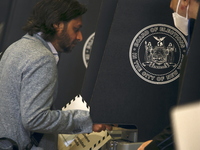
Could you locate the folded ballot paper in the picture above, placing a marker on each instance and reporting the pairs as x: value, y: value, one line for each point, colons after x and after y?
x: 77, y: 103
x: 91, y: 141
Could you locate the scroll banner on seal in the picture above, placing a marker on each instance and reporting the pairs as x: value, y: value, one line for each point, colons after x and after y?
x: 137, y: 81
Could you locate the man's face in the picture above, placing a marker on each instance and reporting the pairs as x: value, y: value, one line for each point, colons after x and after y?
x: 68, y: 34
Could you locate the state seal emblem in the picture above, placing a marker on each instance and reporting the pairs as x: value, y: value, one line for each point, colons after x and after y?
x: 87, y: 48
x: 156, y: 53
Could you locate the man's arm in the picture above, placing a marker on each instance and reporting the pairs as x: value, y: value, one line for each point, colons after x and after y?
x: 37, y: 91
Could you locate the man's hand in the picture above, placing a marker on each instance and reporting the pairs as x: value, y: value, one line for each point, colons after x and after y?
x: 142, y: 147
x: 100, y: 127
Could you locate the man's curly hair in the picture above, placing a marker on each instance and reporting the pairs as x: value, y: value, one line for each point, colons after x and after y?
x: 48, y: 12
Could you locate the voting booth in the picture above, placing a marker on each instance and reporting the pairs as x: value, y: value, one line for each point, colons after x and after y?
x: 136, y: 80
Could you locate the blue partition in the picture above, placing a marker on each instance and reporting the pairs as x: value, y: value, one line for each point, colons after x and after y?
x: 137, y: 81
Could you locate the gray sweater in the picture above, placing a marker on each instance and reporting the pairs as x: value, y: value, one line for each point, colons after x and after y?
x: 28, y: 77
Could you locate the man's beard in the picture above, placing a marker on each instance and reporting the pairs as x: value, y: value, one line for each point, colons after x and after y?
x: 65, y: 43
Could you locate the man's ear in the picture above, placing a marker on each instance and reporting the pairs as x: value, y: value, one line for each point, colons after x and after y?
x: 55, y: 25
x: 58, y: 26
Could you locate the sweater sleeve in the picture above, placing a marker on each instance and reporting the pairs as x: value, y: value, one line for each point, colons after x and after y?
x: 39, y: 77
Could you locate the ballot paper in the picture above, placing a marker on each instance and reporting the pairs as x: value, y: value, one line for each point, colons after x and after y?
x: 77, y: 103
x: 91, y: 141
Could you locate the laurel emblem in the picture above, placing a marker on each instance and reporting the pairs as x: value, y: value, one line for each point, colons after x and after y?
x: 156, y: 53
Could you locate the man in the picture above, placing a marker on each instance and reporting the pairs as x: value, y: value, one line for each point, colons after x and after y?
x: 28, y: 78
x: 183, y: 10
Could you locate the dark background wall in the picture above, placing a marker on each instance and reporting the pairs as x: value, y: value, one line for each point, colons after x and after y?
x: 15, y: 13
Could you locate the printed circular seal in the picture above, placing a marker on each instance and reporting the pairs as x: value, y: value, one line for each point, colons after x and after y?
x: 87, y: 49
x: 156, y: 53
